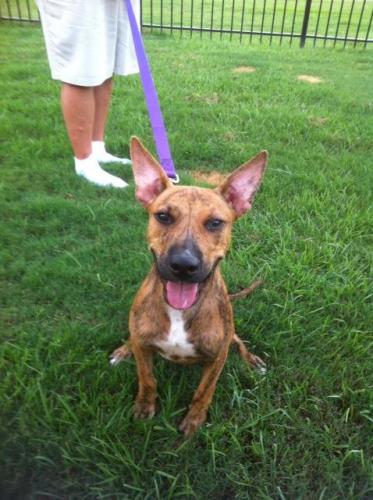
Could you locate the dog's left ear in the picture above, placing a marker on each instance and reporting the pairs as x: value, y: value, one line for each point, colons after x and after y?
x: 150, y: 178
x: 240, y: 187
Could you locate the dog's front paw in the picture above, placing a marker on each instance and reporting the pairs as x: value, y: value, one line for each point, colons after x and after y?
x: 191, y: 423
x: 120, y: 354
x: 144, y: 409
x: 258, y: 364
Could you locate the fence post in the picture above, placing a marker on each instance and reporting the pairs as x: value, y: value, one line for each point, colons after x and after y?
x: 305, y: 23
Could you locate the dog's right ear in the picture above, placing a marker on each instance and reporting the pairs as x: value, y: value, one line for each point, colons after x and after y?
x: 150, y: 178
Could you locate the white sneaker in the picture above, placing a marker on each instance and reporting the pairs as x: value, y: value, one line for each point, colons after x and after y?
x: 91, y: 170
x: 102, y: 156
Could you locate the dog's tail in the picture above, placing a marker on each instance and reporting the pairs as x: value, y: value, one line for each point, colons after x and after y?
x: 246, y: 291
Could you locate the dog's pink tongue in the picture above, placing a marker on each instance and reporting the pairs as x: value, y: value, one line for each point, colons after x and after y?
x: 181, y: 295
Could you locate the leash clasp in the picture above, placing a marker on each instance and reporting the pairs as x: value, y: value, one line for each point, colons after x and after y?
x: 175, y: 179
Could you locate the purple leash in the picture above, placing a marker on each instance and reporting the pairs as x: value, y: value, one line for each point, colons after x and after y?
x: 151, y: 98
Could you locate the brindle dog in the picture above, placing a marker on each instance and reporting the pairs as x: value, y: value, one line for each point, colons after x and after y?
x: 183, y: 310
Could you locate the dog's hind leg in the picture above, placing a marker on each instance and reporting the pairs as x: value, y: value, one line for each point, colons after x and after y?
x: 251, y: 359
x: 123, y: 352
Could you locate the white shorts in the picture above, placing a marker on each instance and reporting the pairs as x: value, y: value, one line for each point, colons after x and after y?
x: 88, y: 41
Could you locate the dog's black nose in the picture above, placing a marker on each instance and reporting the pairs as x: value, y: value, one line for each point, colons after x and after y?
x: 184, y: 262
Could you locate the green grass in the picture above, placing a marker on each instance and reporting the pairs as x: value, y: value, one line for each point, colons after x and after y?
x: 335, y: 18
x: 72, y: 257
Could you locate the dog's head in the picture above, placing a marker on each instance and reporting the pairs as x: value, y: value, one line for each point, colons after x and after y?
x: 190, y: 227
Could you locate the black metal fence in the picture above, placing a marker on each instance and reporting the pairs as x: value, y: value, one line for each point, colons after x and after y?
x: 316, y: 22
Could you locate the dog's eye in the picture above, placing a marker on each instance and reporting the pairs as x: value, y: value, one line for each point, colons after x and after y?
x: 214, y: 224
x: 164, y: 218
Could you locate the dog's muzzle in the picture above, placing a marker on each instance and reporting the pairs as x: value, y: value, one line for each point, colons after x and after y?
x: 183, y: 270
x: 184, y: 264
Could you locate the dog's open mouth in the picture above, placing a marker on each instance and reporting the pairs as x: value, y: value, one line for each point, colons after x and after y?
x: 181, y: 295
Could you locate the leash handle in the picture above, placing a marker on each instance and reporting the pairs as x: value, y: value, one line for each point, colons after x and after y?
x: 151, y: 98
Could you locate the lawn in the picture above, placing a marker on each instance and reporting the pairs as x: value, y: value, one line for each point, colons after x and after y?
x: 342, y: 18
x: 72, y: 257
x: 335, y: 18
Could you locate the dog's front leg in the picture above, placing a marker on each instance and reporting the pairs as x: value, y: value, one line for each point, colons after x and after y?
x: 147, y: 390
x: 202, y: 398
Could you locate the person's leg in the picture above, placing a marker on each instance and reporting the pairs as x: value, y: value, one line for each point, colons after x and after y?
x: 102, y: 97
x: 78, y: 109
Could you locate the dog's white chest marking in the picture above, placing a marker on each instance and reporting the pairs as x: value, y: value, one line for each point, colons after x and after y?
x: 176, y: 345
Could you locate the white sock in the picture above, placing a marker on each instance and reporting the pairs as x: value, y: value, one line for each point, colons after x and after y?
x: 91, y: 170
x: 102, y: 156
